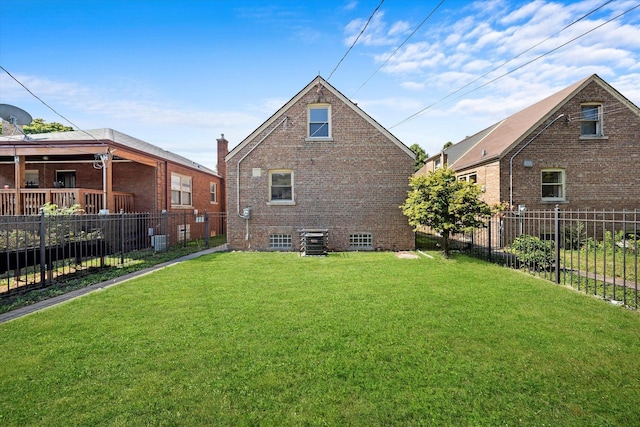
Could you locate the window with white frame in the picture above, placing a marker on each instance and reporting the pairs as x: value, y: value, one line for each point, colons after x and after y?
x: 591, y: 120
x: 360, y: 241
x: 281, y: 186
x: 181, y: 190
x: 213, y: 193
x: 553, y: 185
x: 472, y: 177
x: 319, y: 119
x: 280, y: 241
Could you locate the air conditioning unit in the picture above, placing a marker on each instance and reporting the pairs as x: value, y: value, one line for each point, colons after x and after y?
x: 159, y: 242
x: 314, y: 242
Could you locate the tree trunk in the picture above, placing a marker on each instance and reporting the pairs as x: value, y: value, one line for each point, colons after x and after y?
x: 445, y: 243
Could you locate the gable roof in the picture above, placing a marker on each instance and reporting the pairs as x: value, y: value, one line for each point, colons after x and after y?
x: 322, y: 82
x: 106, y: 135
x: 498, y: 139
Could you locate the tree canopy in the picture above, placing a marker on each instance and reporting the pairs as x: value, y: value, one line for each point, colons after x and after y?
x: 448, y: 205
x: 39, y: 126
x: 421, y: 156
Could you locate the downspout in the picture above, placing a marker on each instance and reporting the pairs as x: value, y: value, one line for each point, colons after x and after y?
x: 518, y: 152
x: 243, y: 157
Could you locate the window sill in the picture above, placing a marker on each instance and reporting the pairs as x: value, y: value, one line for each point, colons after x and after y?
x: 181, y: 207
x: 323, y: 139
x: 282, y: 203
x: 553, y: 201
x: 593, y: 137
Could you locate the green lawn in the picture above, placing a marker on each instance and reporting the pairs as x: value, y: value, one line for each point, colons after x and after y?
x: 360, y: 339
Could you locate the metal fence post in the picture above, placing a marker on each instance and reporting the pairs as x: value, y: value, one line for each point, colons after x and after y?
x: 207, y: 231
x: 121, y: 236
x: 43, y: 251
x: 489, y: 239
x: 165, y: 224
x: 557, y: 242
x: 184, y: 229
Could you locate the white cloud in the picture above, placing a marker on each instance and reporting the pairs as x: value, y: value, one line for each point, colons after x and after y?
x: 413, y: 86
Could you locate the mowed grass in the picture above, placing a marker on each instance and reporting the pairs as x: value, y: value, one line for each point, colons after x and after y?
x: 360, y: 339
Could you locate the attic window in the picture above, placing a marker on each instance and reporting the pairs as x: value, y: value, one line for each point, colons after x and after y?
x: 319, y: 121
x: 591, y: 120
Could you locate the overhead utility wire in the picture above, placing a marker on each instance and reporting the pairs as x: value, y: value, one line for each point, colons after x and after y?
x: 45, y: 104
x: 513, y: 70
x: 356, y: 40
x: 517, y: 56
x: 398, y: 48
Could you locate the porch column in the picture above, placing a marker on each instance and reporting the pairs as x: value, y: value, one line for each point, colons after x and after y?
x: 19, y: 178
x: 108, y: 201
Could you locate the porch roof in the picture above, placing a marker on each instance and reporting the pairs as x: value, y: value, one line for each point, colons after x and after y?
x: 106, y: 137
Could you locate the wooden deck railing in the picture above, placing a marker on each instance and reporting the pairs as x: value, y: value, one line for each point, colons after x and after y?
x: 32, y: 199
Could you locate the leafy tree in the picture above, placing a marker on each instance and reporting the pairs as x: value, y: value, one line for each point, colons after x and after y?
x: 444, y: 203
x: 421, y: 156
x: 447, y: 145
x: 39, y: 126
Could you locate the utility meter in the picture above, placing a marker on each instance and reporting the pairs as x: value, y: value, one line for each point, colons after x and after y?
x: 246, y: 213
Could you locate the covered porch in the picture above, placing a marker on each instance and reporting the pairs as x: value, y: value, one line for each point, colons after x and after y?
x: 33, y: 174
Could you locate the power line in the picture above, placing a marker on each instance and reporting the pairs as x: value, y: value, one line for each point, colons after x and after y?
x: 520, y: 66
x: 398, y: 48
x: 44, y: 103
x: 356, y: 40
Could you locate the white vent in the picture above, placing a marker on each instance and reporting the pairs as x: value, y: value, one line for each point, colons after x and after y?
x: 184, y: 232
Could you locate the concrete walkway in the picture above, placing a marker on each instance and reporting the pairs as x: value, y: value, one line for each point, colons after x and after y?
x: 23, y: 311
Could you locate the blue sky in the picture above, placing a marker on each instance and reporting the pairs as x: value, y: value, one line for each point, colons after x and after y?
x: 178, y: 73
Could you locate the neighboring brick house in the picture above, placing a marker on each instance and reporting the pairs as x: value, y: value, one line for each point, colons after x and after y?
x: 68, y: 167
x: 578, y: 148
x: 319, y: 163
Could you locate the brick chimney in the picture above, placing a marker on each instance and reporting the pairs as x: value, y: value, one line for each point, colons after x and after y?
x: 223, y: 150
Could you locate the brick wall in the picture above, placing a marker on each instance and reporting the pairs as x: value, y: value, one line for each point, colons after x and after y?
x: 602, y: 173
x: 353, y: 184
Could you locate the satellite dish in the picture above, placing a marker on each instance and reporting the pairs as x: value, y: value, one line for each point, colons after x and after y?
x: 14, y: 115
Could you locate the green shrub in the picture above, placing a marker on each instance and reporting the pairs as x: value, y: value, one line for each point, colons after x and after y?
x: 575, y: 235
x: 534, y: 252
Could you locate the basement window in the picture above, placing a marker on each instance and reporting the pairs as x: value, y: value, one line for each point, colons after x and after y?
x: 280, y: 241
x: 360, y: 241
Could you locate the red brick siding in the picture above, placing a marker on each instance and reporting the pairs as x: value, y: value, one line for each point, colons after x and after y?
x: 354, y: 184
x: 600, y: 173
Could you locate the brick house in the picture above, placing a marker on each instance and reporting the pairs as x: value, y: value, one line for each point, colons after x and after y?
x: 579, y: 149
x: 69, y: 167
x: 319, y: 163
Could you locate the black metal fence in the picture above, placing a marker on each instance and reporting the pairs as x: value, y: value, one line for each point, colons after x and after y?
x: 37, y: 251
x: 593, y: 251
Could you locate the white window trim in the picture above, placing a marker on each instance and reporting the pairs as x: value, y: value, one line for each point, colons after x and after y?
x: 599, y: 123
x: 310, y: 138
x: 186, y: 177
x: 563, y: 183
x: 214, y: 192
x: 288, y: 202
